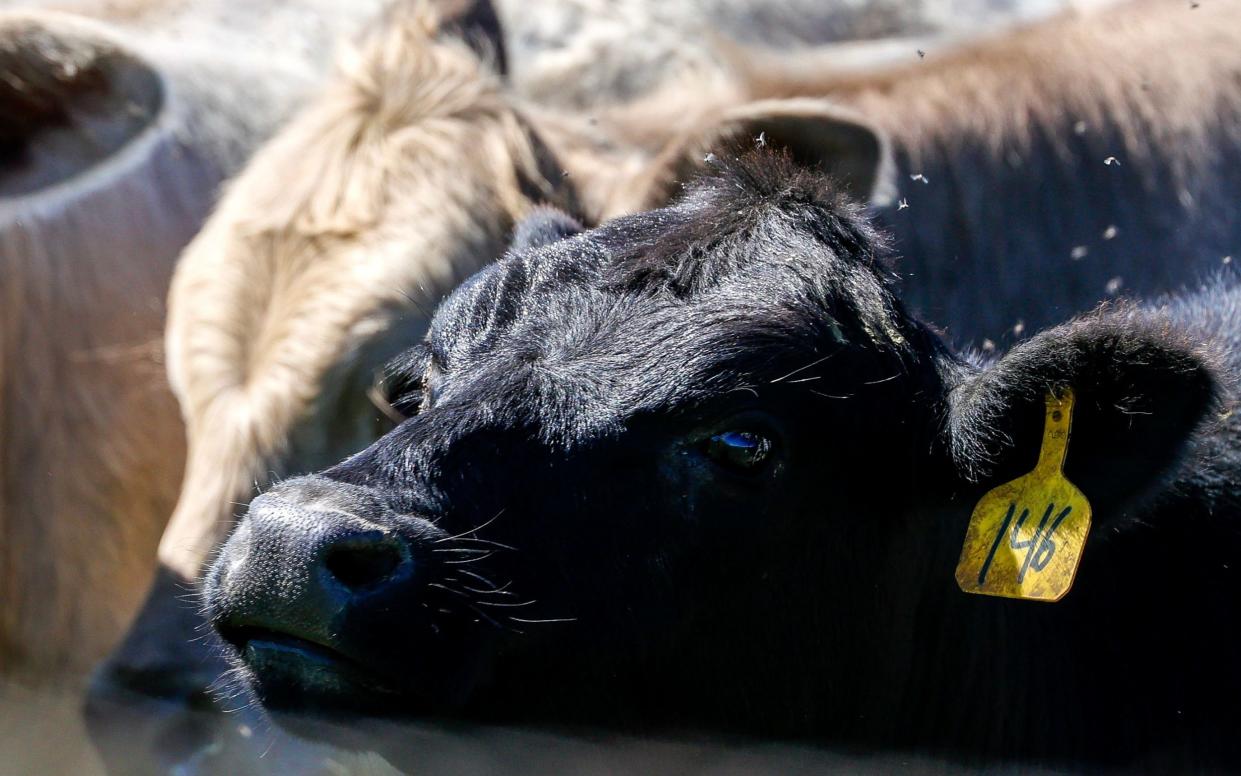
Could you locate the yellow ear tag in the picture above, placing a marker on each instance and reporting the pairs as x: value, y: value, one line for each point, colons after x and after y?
x: 1026, y: 536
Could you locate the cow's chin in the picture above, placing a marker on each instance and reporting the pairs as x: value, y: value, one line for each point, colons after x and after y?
x: 292, y: 674
x: 315, y: 691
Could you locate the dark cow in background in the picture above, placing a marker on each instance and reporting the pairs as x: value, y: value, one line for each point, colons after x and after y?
x: 698, y: 468
x: 1097, y: 149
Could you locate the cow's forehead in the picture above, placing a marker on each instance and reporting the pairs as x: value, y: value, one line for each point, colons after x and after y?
x: 584, y: 357
x: 513, y: 293
x: 674, y: 305
x: 572, y: 300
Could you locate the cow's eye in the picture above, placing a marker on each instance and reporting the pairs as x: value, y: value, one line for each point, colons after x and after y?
x: 739, y: 449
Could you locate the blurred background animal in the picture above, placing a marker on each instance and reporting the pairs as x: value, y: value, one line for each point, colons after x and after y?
x: 115, y: 135
x: 114, y: 145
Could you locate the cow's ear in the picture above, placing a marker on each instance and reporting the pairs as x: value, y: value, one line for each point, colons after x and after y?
x: 543, y: 226
x: 1142, y: 387
x: 70, y: 96
x: 815, y: 134
x: 476, y: 21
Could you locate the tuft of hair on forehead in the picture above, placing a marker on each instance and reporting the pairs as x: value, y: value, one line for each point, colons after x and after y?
x: 739, y: 207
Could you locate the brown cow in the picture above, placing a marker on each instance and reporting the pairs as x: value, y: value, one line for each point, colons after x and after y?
x: 90, y: 433
x: 112, y: 146
x: 114, y: 140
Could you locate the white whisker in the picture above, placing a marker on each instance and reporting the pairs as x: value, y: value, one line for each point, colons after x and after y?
x: 804, y: 368
x: 475, y: 529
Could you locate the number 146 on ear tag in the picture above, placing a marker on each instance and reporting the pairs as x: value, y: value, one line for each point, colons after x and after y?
x: 1026, y: 536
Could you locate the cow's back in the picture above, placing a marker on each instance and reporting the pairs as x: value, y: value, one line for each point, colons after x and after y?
x: 1085, y: 158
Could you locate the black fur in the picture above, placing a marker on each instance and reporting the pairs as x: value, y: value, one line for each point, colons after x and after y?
x: 566, y: 402
x: 999, y: 227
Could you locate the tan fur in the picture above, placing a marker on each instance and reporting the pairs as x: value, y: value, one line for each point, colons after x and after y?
x: 396, y: 183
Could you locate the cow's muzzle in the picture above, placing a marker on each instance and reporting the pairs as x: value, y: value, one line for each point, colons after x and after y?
x: 320, y: 595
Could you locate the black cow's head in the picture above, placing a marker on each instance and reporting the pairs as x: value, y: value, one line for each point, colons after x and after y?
x: 693, y: 467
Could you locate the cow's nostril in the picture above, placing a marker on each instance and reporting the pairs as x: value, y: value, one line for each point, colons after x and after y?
x: 363, y: 561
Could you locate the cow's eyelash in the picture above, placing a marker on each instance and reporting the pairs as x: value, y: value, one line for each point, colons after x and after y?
x: 420, y: 395
x: 402, y: 389
x: 410, y: 402
x: 396, y: 405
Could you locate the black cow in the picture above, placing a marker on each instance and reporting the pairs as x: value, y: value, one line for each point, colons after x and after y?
x: 698, y: 469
